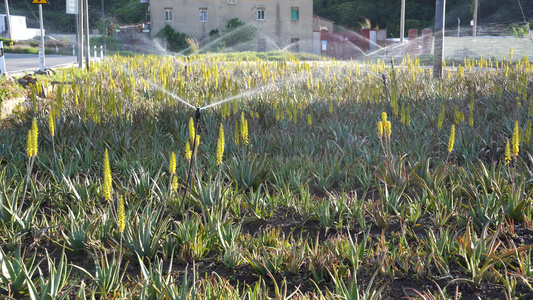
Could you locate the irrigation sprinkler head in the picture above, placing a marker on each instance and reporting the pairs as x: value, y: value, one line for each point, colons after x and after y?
x: 197, y: 113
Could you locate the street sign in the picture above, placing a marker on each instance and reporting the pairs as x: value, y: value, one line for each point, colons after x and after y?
x: 40, y: 2
x: 72, y: 7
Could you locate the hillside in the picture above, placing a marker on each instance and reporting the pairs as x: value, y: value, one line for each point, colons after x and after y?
x: 495, y: 16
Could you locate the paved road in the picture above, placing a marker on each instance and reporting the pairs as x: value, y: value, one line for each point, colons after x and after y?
x: 19, y: 63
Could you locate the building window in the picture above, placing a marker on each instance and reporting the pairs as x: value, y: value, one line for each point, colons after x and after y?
x: 203, y: 14
x: 261, y: 14
x: 168, y: 15
x: 295, y: 14
x: 232, y: 1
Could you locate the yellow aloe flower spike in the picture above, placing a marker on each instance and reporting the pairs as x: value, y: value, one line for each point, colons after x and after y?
x: 516, y: 139
x: 188, y: 152
x: 172, y: 164
x: 191, y: 130
x: 237, y: 135
x: 52, y: 122
x: 309, y: 120
x: 452, y: 139
x: 34, y: 136
x: 507, y: 157
x: 388, y: 128
x: 383, y: 117
x: 220, y: 144
x: 108, y: 183
x: 380, y: 129
x: 245, y: 136
x: 175, y: 183
x: 29, y: 144
x: 243, y: 133
x: 121, y: 215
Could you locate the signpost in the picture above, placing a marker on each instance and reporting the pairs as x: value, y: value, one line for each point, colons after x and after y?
x: 42, y: 63
x: 8, y: 23
x: 72, y: 7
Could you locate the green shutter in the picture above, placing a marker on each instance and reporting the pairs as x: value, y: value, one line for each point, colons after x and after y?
x: 294, y: 14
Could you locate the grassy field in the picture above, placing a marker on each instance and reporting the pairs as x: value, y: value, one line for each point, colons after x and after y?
x: 156, y: 177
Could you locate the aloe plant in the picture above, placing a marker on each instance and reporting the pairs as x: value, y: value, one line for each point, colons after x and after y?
x: 15, y: 271
x: 50, y: 286
x: 143, y: 236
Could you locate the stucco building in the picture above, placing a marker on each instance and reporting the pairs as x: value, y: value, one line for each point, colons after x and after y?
x: 280, y: 24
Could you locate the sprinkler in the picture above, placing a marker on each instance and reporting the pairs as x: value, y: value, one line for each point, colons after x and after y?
x: 197, y: 115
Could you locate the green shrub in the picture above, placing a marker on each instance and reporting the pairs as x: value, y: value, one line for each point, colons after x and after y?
x: 236, y: 33
x: 111, y: 44
x: 21, y: 49
x: 521, y: 31
x: 176, y: 41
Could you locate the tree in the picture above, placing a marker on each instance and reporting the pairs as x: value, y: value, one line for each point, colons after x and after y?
x: 176, y: 41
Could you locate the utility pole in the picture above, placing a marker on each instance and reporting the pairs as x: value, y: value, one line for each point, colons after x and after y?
x: 474, y: 29
x: 439, y: 38
x: 8, y: 25
x: 80, y: 34
x: 402, y: 22
x: 104, y: 31
x: 87, y: 57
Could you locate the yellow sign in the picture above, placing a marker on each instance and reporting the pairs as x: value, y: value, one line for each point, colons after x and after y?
x: 40, y: 2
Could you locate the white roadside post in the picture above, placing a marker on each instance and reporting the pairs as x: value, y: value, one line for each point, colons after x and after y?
x: 73, y: 50
x: 95, y: 56
x: 2, y: 60
x: 101, y: 52
x: 41, y: 53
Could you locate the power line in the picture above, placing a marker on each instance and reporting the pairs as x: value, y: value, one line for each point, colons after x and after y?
x: 525, y: 21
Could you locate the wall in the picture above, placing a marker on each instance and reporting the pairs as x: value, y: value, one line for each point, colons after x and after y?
x: 20, y: 31
x: 277, y: 30
x: 350, y: 44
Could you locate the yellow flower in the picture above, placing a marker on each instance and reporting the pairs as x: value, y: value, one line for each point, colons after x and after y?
x: 175, y: 183
x: 220, y: 144
x: 172, y: 164
x: 452, y: 139
x: 121, y: 215
x: 383, y: 117
x: 380, y: 129
x: 245, y: 136
x: 237, y: 135
x: 516, y: 139
x: 191, y: 130
x: 52, y: 122
x: 34, y: 137
x: 244, y: 129
x: 507, y: 157
x: 309, y: 120
x: 108, y: 182
x: 188, y: 152
x: 441, y: 117
x: 29, y: 144
x: 388, y: 128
